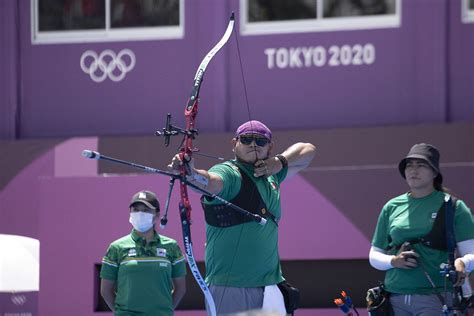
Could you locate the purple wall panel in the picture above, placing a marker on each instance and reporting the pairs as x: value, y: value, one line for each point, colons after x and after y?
x: 19, y: 199
x: 310, y: 218
x: 407, y: 83
x: 428, y: 41
x: 22, y: 303
x: 461, y: 66
x: 9, y: 76
x: 62, y: 95
x: 68, y: 159
x: 64, y: 100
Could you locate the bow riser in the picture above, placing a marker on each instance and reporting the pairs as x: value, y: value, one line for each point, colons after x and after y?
x: 185, y: 201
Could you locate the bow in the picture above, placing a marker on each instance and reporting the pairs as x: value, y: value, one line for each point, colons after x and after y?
x: 185, y: 154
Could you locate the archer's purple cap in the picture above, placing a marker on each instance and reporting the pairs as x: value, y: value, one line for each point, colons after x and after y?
x: 254, y: 128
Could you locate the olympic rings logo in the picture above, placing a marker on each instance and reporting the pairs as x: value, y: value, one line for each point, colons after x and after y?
x: 107, y: 64
x: 18, y: 299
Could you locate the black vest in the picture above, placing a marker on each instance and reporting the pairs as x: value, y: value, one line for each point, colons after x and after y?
x: 248, y: 198
x: 436, y: 238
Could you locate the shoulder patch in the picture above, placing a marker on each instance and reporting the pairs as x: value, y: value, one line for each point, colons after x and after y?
x: 160, y: 252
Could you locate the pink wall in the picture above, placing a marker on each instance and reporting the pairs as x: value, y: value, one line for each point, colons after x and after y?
x: 80, y: 216
x: 76, y: 214
x: 330, y: 208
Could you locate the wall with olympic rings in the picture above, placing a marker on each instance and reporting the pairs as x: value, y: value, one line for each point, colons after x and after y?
x: 416, y: 71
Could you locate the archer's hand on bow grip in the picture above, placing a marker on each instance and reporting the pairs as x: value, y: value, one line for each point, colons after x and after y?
x: 192, y: 175
x: 177, y: 163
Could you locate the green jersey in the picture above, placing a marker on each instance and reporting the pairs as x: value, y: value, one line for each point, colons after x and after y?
x: 245, y: 255
x: 143, y: 273
x: 406, y: 218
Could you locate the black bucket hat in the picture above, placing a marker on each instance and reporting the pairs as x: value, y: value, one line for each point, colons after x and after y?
x: 425, y: 152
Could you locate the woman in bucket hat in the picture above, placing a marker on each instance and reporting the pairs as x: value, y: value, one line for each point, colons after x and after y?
x: 410, y: 243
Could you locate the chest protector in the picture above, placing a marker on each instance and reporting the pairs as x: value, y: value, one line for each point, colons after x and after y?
x: 436, y: 238
x: 248, y: 198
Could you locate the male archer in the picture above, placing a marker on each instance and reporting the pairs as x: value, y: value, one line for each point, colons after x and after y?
x: 242, y: 260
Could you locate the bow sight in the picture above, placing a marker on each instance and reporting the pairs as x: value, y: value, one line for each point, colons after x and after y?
x: 171, y: 130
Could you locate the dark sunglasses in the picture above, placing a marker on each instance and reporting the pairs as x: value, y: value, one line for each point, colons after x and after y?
x: 259, y: 141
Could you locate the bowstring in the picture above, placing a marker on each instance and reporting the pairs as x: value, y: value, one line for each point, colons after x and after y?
x: 245, y: 88
x: 256, y: 159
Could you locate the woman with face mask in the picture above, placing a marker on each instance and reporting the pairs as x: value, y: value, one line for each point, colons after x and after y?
x: 143, y: 272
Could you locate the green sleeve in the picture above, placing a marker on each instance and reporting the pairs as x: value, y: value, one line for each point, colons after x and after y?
x: 178, y: 263
x: 231, y: 179
x: 110, y: 264
x: 380, y: 238
x: 463, y: 222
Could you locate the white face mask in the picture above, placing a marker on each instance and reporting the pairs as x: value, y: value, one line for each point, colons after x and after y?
x: 141, y: 221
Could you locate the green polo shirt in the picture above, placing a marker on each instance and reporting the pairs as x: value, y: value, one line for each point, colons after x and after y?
x: 405, y: 218
x: 245, y: 255
x: 143, y: 273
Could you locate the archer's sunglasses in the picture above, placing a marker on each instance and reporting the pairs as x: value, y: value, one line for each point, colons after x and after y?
x: 259, y: 141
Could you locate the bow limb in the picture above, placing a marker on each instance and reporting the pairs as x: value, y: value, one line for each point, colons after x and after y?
x: 185, y: 154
